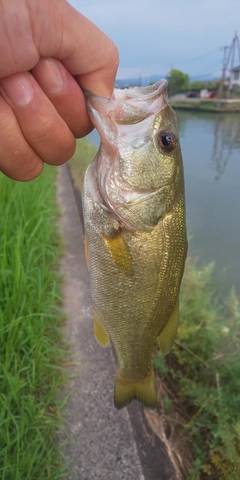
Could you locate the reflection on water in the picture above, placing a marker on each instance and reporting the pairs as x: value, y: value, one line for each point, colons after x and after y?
x: 225, y: 133
x: 226, y: 139
x: 211, y: 151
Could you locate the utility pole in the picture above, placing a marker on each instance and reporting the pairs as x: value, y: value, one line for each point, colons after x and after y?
x: 224, y: 68
x: 229, y: 54
x: 235, y: 46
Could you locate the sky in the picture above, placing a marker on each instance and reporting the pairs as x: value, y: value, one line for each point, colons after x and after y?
x: 154, y: 36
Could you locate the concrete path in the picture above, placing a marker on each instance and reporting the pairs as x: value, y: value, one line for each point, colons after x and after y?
x: 102, y: 441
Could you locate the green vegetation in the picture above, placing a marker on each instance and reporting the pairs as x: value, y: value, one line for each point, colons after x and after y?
x: 202, y: 376
x: 177, y: 82
x: 207, y: 105
x: 84, y: 154
x: 199, y: 85
x: 30, y: 314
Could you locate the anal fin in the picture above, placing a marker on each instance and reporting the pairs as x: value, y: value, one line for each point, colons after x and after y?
x: 168, y: 334
x: 127, y: 390
x: 101, y: 335
x: 119, y: 252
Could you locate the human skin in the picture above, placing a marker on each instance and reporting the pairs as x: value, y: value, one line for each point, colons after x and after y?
x: 49, y: 52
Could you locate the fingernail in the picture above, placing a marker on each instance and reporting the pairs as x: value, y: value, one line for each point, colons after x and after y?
x: 17, y: 88
x: 49, y: 76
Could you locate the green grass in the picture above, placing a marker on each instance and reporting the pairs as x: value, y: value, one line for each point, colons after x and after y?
x: 30, y: 314
x: 203, y: 375
x: 84, y: 154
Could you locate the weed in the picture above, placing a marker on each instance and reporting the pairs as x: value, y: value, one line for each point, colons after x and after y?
x: 30, y: 314
x: 203, y: 373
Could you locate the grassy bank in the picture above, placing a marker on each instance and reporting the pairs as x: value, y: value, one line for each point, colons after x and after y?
x: 199, y: 381
x: 200, y: 390
x: 207, y: 105
x: 30, y: 313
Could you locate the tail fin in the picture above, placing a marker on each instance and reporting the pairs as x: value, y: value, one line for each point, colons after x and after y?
x: 142, y: 390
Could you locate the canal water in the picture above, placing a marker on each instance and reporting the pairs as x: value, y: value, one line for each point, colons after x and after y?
x: 211, y: 153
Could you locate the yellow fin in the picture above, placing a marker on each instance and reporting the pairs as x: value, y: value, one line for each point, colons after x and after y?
x: 119, y: 252
x: 100, y: 334
x: 168, y: 334
x: 86, y: 246
x: 142, y: 390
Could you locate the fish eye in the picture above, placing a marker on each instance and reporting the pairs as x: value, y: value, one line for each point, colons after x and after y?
x: 167, y: 140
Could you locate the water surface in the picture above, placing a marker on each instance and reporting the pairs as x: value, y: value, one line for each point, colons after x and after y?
x: 211, y: 154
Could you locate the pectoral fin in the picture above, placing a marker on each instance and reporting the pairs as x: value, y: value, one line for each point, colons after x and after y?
x: 101, y: 335
x: 168, y: 334
x: 119, y: 252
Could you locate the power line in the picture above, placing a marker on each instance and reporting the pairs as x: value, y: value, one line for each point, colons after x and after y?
x: 200, y: 57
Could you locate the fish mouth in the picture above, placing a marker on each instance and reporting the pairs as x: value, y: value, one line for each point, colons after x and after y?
x: 137, y: 93
x: 126, y: 106
x: 140, y: 93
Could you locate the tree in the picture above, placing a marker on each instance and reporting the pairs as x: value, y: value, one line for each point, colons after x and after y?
x: 177, y: 81
x: 209, y: 85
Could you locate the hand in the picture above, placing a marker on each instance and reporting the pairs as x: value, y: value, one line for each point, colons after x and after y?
x: 48, y: 51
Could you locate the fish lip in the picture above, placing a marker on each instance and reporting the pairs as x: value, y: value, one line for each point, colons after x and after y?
x: 133, y: 93
x: 125, y: 107
x: 141, y: 93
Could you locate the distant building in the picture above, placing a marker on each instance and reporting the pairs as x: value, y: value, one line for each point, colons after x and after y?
x: 235, y: 77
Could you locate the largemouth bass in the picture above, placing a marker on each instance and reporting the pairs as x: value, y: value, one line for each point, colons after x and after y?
x: 134, y: 217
